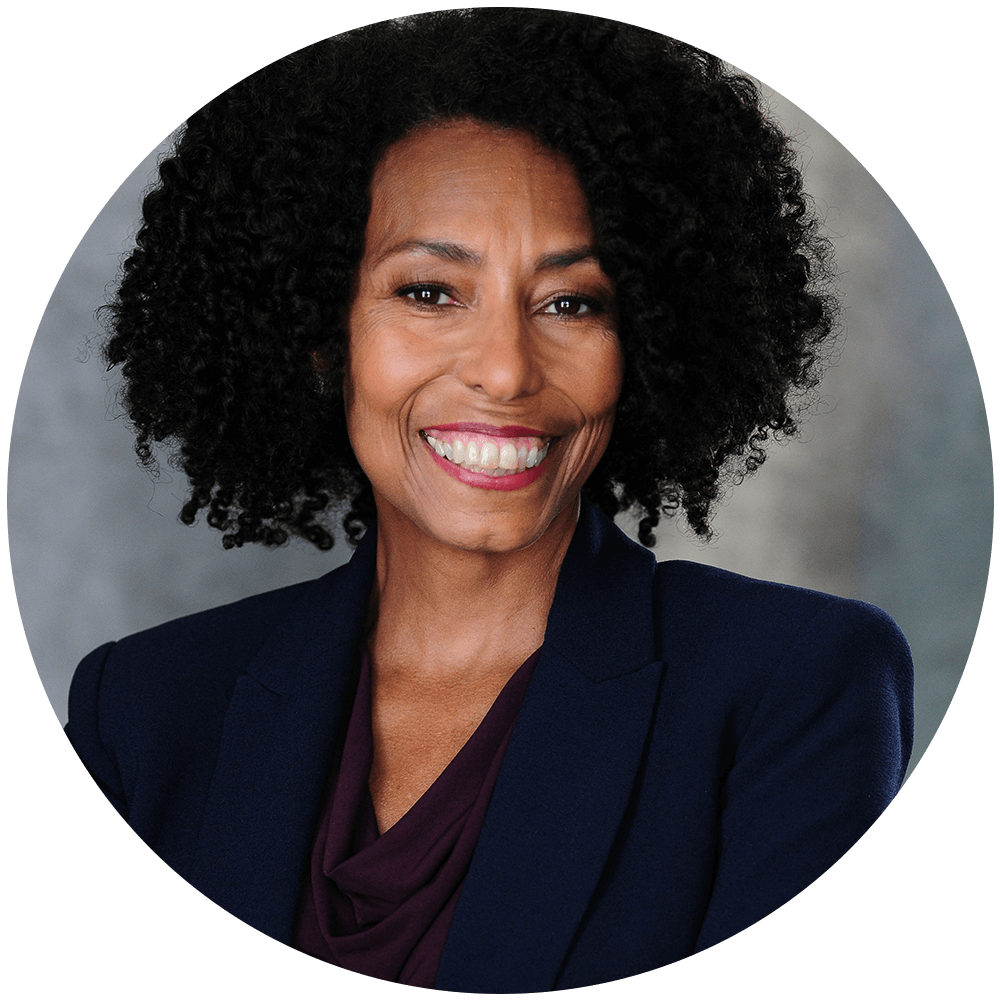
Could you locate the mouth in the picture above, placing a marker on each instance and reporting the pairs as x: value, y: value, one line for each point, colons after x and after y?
x: 494, y: 457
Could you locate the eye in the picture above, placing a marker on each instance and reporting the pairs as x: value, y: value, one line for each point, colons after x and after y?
x: 571, y: 305
x: 427, y: 295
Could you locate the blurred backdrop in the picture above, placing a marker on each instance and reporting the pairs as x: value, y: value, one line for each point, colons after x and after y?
x: 886, y: 495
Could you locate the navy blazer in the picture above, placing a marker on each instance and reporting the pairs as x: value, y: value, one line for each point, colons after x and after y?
x: 694, y: 748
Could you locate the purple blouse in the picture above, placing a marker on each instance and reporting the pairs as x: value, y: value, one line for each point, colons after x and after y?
x: 382, y: 905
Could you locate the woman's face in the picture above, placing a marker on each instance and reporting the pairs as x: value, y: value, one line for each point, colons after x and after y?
x: 484, y: 368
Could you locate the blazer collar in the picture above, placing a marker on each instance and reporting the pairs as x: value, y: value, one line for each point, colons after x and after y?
x: 278, y: 741
x: 565, y: 778
x: 601, y: 616
x: 567, y: 772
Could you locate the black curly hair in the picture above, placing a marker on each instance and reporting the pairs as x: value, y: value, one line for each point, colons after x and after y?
x: 229, y: 321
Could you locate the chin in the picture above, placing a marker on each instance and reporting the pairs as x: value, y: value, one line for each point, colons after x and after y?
x: 488, y: 533
x: 488, y: 521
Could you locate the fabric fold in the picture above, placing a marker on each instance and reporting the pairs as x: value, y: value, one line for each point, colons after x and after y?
x: 382, y: 905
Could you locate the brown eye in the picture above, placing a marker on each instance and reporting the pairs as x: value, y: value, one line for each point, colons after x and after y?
x: 568, y: 305
x: 426, y: 295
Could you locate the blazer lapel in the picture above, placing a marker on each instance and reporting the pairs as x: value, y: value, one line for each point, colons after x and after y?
x: 277, y: 744
x: 567, y: 773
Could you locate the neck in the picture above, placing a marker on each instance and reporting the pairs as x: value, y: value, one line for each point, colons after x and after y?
x: 436, y: 609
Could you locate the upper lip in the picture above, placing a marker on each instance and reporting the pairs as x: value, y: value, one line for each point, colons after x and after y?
x: 477, y: 428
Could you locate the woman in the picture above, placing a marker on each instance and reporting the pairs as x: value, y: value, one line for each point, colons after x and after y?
x: 489, y: 277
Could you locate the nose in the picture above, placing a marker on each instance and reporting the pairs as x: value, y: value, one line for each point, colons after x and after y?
x: 501, y: 356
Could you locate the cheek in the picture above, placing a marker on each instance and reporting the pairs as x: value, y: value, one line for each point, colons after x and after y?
x: 384, y: 374
x: 364, y: 393
x: 604, y: 382
x: 383, y: 382
x: 368, y: 378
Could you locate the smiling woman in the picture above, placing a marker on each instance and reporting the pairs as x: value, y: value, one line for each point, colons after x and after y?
x: 489, y: 277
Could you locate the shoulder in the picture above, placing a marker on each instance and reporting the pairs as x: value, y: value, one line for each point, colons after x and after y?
x: 706, y: 607
x: 190, y: 665
x: 799, y: 685
x: 234, y: 632
x: 242, y: 623
x: 155, y: 703
x: 757, y: 643
x: 225, y: 637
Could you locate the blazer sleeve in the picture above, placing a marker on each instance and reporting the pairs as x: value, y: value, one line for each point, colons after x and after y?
x: 83, y: 727
x: 824, y: 752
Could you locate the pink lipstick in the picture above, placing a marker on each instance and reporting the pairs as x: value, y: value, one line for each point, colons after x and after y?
x: 490, y: 429
x: 486, y: 456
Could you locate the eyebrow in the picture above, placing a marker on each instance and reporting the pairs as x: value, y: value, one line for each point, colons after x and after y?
x: 458, y: 254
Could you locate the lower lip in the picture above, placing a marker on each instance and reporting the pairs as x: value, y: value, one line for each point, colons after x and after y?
x: 516, y: 481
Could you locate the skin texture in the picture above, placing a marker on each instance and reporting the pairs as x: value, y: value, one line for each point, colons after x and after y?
x: 478, y: 300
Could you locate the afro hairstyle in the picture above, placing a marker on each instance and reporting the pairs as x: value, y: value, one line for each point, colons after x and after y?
x: 229, y: 322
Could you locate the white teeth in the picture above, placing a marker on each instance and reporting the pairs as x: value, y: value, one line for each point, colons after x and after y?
x: 489, y: 457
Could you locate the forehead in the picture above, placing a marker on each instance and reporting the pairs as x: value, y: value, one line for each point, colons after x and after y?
x: 469, y: 175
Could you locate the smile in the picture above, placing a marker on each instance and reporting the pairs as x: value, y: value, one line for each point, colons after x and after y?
x: 507, y: 458
x: 495, y: 457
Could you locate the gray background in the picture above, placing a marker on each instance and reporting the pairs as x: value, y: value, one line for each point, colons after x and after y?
x: 886, y: 496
